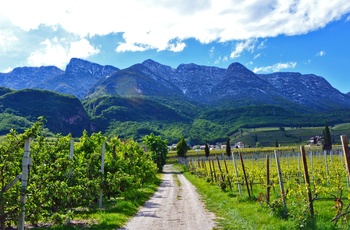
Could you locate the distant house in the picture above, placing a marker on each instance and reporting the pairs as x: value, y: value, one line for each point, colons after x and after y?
x: 172, y: 147
x: 316, y: 140
x: 239, y: 145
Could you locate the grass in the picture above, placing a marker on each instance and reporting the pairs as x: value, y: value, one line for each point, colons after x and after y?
x: 240, y: 212
x: 236, y: 213
x: 115, y: 214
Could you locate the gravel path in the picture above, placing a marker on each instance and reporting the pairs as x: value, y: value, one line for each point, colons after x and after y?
x: 175, y: 205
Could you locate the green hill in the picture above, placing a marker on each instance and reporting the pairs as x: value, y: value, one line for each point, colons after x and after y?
x: 172, y: 118
x: 64, y: 114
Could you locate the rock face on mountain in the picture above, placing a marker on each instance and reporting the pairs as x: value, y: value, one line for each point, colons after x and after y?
x: 234, y: 86
x: 211, y: 85
x: 136, y: 80
x: 79, y: 76
x: 242, y: 86
x: 237, y: 86
x: 308, y: 90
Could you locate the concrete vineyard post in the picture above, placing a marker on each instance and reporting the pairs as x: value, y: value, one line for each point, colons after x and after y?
x: 24, y: 179
x: 346, y: 152
x: 102, y: 172
x: 267, y: 179
x: 236, y: 172
x: 211, y: 171
x: 213, y: 165
x: 326, y: 164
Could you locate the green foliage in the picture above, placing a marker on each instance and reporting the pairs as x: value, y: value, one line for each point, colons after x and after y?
x: 64, y: 113
x: 10, y: 121
x: 327, y: 138
x: 207, y: 150
x: 135, y: 117
x: 158, y: 149
x: 59, y: 185
x: 182, y: 147
x: 228, y: 147
x: 10, y: 167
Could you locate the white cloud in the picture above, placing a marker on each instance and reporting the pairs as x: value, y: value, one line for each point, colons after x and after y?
x: 257, y: 56
x: 262, y: 44
x: 7, y: 70
x: 151, y: 24
x: 212, y: 52
x: 8, y: 38
x: 275, y: 68
x: 321, y: 53
x: 59, y: 52
x: 221, y: 59
x: 242, y: 46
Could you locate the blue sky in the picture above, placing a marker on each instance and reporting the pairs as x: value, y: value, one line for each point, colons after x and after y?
x: 306, y: 36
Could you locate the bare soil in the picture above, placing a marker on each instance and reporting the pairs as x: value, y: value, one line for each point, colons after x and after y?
x: 176, y: 205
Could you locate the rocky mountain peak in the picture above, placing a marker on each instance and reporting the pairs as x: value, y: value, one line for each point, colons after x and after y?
x: 79, y: 76
x: 79, y: 66
x: 239, y: 70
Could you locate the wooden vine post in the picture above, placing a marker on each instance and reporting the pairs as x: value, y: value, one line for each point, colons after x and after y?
x: 307, y: 180
x: 268, y: 187
x: 346, y: 152
x: 283, y: 194
x: 245, y: 176
x: 26, y: 162
x: 228, y: 178
x: 236, y: 172
x: 221, y: 174
x: 205, y: 167
x: 102, y: 172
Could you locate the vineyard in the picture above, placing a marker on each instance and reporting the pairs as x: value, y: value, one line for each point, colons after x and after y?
x: 50, y: 179
x: 308, y: 187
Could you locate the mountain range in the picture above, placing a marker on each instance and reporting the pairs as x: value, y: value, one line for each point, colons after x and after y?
x: 108, y: 95
x: 232, y: 87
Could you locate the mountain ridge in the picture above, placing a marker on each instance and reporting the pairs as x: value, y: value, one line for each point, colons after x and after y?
x: 207, y: 85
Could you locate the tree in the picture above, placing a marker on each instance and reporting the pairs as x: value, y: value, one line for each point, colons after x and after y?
x: 327, y: 145
x: 228, y: 147
x: 182, y: 147
x: 206, y: 150
x: 158, y: 149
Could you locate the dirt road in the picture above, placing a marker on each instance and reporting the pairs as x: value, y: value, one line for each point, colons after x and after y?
x: 175, y: 205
